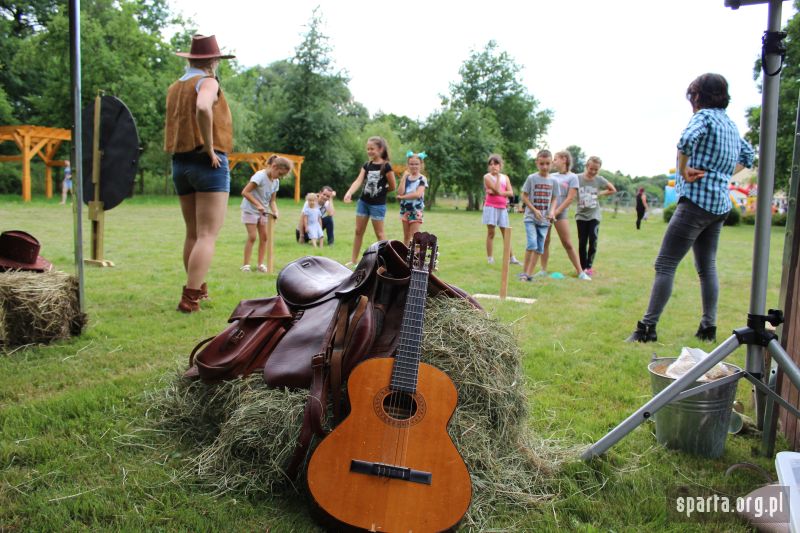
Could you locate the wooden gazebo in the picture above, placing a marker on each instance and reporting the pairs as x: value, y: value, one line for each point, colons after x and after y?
x: 258, y: 160
x: 33, y: 141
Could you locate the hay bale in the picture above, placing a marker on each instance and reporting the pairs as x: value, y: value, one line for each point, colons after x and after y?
x: 38, y: 307
x: 242, y: 433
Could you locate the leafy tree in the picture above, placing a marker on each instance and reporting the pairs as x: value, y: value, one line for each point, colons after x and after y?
x: 19, y: 21
x: 458, y: 143
x: 490, y: 83
x: 578, y: 158
x: 124, y: 55
x: 787, y: 107
x: 317, y: 100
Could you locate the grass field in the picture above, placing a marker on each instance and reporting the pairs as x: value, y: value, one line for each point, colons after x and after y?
x: 77, y: 450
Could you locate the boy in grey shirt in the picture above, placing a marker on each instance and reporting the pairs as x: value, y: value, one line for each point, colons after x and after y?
x: 538, y: 195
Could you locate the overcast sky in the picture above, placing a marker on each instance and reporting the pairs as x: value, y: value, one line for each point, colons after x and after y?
x: 613, y: 72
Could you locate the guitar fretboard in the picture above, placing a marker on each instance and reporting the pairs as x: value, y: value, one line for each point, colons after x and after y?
x: 409, y: 348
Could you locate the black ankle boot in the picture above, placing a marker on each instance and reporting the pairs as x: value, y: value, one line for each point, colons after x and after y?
x: 707, y: 334
x: 643, y: 333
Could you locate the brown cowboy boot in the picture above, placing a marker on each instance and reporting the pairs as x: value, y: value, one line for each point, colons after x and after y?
x: 190, y: 300
x: 204, y: 292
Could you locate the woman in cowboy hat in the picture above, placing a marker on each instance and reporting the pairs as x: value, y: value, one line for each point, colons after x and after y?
x: 199, y: 134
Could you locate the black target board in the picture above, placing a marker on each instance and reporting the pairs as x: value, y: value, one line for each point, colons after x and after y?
x: 119, y: 148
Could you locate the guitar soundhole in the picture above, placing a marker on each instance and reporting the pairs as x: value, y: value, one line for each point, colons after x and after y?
x: 400, y: 405
x: 399, y: 409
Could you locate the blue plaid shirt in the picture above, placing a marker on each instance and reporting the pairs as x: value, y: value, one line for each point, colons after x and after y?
x: 712, y: 142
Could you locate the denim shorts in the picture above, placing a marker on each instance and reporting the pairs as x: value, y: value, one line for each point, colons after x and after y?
x: 192, y: 172
x: 375, y: 212
x: 536, y: 235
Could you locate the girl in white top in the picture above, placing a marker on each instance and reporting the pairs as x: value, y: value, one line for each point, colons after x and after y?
x: 258, y: 201
x: 567, y: 192
x: 311, y: 220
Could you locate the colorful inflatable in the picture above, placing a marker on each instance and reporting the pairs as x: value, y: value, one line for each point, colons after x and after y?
x: 670, y: 197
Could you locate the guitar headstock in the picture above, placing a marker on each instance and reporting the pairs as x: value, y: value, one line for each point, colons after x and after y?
x: 423, y: 252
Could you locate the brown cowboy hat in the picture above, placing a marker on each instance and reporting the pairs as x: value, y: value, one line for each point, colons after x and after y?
x: 204, y: 47
x: 20, y: 251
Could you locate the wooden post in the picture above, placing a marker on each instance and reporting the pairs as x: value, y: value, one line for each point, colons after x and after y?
x: 26, y: 168
x: 296, y: 172
x: 270, y: 244
x: 506, y: 259
x: 96, y: 211
x: 48, y: 181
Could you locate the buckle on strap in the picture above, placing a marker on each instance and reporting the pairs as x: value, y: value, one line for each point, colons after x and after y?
x: 318, y: 360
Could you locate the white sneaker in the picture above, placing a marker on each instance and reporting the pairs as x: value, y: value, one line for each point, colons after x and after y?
x: 513, y: 261
x: 262, y: 268
x: 490, y: 260
x: 540, y: 274
x: 584, y: 276
x: 245, y: 268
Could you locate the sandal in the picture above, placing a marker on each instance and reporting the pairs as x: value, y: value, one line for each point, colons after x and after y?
x: 245, y: 268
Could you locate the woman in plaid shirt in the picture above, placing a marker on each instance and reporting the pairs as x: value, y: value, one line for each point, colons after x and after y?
x: 710, y: 151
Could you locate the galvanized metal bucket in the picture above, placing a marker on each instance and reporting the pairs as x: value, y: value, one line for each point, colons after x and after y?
x: 697, y: 424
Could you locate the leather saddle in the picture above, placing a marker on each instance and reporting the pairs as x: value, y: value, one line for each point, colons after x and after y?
x: 310, y: 281
x: 341, y: 317
x: 330, y: 305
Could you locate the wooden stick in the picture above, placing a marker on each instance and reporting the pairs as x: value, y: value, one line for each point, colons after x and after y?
x: 270, y: 244
x: 506, y: 258
x: 507, y: 298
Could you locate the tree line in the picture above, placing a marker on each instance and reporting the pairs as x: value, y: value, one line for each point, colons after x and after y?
x: 300, y: 105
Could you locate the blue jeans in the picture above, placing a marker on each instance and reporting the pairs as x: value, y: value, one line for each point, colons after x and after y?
x: 695, y: 228
x: 536, y: 234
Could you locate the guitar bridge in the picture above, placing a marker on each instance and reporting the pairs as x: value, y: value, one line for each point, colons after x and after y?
x: 390, y: 471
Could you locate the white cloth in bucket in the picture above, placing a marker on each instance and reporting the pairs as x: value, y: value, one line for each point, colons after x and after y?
x: 690, y: 357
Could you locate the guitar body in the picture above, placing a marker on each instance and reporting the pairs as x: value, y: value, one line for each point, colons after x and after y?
x: 391, y: 465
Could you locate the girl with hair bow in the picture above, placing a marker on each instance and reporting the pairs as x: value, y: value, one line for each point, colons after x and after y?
x: 411, y: 194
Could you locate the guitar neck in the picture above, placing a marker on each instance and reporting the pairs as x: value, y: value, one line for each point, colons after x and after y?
x: 406, y: 363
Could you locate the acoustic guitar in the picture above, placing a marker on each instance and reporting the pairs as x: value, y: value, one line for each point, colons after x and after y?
x: 391, y: 465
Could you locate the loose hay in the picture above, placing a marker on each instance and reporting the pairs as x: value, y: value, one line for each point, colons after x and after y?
x: 38, y: 307
x: 243, y: 434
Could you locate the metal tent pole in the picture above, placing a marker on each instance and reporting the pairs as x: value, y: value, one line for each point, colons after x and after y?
x: 77, y: 136
x: 766, y: 185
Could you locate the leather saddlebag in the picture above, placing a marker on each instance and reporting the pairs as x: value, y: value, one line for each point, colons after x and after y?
x: 256, y: 326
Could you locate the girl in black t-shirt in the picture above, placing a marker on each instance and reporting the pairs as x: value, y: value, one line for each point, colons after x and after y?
x: 378, y: 179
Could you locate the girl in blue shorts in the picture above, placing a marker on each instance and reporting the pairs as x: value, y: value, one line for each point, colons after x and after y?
x: 378, y: 179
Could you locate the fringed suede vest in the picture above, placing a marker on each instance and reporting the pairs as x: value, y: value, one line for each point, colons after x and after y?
x: 181, y: 131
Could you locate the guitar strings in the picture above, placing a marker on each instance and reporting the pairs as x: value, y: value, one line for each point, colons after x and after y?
x: 415, y: 308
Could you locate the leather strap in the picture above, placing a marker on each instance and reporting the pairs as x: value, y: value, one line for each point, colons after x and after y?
x: 197, y: 348
x: 337, y: 353
x: 314, y: 413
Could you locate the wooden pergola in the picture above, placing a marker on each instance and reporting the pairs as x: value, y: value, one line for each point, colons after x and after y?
x: 33, y: 141
x: 258, y: 160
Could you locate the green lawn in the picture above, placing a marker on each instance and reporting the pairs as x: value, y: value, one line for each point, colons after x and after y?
x: 76, y: 451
